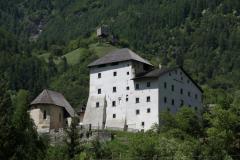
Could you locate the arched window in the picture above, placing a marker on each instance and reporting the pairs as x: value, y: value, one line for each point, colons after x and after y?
x: 44, y: 114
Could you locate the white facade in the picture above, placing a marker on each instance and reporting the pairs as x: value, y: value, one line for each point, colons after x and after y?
x: 118, y: 101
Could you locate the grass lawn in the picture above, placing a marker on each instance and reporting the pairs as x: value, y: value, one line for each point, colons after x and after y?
x: 74, y: 56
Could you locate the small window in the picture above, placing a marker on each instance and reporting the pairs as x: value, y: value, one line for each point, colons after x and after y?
x: 189, y: 94
x: 169, y: 73
x: 172, y: 87
x: 148, y: 110
x: 114, y: 73
x: 142, y: 123
x: 189, y: 105
x: 148, y: 84
x: 137, y: 112
x: 97, y: 104
x: 181, y: 91
x: 188, y: 81
x: 99, y: 75
x: 44, y: 114
x: 127, y: 73
x: 168, y: 109
x: 182, y: 78
x: 165, y: 99
x: 176, y: 72
x: 182, y: 102
x: 180, y: 73
x: 114, y: 115
x: 195, y: 108
x: 99, y: 91
x: 126, y: 99
x: 113, y: 103
x: 137, y: 86
x: 137, y: 100
x: 172, y: 101
x: 114, y: 89
x: 196, y: 96
x: 148, y: 99
x: 127, y: 88
x: 165, y: 85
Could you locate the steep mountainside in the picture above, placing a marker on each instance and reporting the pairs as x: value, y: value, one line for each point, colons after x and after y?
x: 201, y: 35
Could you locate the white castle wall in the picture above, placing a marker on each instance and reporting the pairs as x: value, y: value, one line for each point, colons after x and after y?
x: 125, y: 111
x: 180, y: 81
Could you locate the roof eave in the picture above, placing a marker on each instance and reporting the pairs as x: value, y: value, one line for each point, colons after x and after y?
x: 94, y: 65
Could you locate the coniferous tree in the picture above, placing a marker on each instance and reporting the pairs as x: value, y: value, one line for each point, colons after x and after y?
x: 73, y: 139
x: 7, y: 134
x: 28, y: 144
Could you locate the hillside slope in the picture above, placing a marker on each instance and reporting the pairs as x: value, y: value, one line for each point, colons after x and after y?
x: 202, y: 36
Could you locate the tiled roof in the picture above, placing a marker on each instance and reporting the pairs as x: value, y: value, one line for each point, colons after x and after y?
x: 55, y: 98
x: 119, y: 55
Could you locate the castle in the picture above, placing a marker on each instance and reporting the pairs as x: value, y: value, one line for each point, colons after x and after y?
x: 127, y: 93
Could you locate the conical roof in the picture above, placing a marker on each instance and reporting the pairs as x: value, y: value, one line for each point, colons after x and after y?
x: 55, y: 98
x: 119, y: 55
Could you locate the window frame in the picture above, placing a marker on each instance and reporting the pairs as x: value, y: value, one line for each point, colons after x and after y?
x: 165, y: 99
x: 97, y: 104
x: 113, y: 103
x: 137, y: 86
x: 181, y: 91
x: 114, y: 90
x: 148, y: 84
x: 165, y: 85
x: 148, y: 110
x: 99, y: 75
x: 137, y: 100
x: 148, y: 99
x: 137, y: 111
x: 44, y: 114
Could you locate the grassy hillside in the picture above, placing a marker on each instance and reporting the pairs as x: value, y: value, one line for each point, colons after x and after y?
x: 73, y: 57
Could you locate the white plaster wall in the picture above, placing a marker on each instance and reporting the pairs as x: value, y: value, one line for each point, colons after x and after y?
x: 94, y: 115
x: 179, y: 80
x: 35, y: 115
x: 134, y: 120
x: 106, y: 84
x: 126, y: 110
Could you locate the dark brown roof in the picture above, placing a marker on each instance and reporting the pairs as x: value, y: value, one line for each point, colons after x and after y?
x: 119, y: 55
x: 55, y: 98
x: 155, y: 73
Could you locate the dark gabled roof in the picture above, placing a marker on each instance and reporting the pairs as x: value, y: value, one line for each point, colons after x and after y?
x: 119, y: 55
x: 155, y: 73
x: 55, y: 98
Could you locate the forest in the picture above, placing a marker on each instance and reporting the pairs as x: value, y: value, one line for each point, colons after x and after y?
x: 49, y: 43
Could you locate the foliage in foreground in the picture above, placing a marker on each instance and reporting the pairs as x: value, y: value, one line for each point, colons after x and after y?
x: 18, y: 137
x: 184, y: 136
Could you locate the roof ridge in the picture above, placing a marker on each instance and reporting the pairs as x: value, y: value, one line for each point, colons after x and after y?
x: 119, y: 55
x: 50, y: 97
